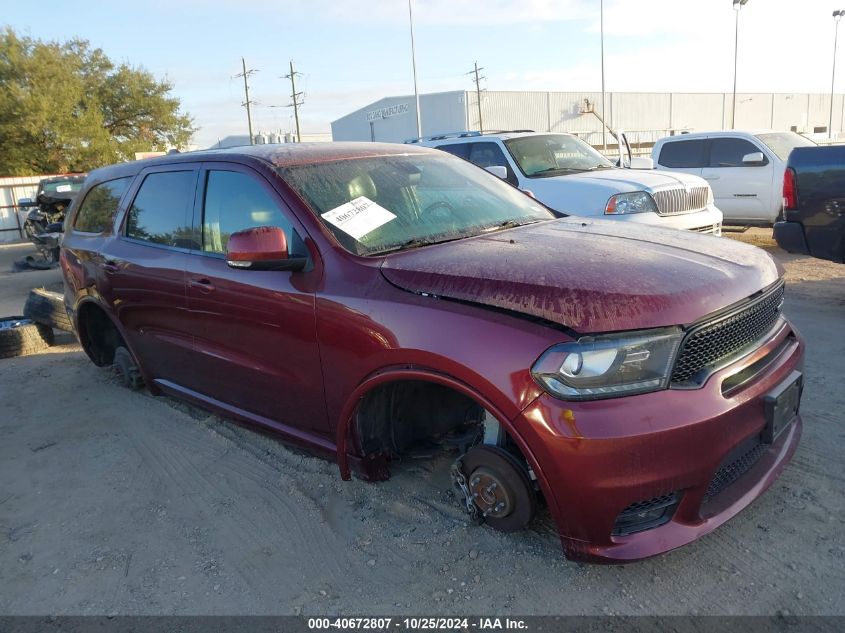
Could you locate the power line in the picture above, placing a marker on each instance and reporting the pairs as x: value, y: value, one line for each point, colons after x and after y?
x: 247, y: 103
x: 477, y: 80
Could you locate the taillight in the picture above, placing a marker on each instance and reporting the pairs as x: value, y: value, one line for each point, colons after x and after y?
x: 789, y: 192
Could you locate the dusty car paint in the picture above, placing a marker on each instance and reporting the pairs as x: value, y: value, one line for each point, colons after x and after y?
x: 473, y: 315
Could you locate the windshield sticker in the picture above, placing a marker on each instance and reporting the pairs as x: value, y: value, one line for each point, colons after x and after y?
x: 358, y: 217
x: 63, y: 188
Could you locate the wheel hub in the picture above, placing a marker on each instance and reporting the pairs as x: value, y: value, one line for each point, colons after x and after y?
x: 495, y: 488
x: 489, y: 493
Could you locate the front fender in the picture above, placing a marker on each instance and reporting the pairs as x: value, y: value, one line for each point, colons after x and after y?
x: 392, y: 374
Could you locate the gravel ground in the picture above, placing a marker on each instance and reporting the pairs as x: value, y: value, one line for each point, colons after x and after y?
x: 115, y: 502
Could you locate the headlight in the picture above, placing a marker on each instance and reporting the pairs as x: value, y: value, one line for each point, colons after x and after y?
x: 624, y: 203
x: 609, y: 366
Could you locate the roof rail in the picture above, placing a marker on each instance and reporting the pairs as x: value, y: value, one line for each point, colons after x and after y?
x: 444, y: 135
x: 464, y: 134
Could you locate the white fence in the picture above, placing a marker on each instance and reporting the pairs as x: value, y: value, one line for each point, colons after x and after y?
x: 11, y: 216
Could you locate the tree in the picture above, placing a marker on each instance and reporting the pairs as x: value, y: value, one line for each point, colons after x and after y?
x: 68, y: 107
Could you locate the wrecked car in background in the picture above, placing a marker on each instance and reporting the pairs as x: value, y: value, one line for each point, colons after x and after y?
x: 45, y: 219
x: 362, y: 299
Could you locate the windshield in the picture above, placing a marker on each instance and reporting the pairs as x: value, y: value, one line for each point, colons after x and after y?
x: 550, y: 154
x: 62, y: 186
x: 781, y: 143
x: 388, y: 203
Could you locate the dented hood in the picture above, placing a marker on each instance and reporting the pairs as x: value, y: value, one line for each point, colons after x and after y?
x: 591, y: 276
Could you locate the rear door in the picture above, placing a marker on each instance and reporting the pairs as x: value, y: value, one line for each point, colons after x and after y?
x: 740, y: 190
x: 255, y: 331
x: 144, y: 269
x: 686, y: 155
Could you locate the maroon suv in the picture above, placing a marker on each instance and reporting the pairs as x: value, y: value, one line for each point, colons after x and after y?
x: 364, y: 299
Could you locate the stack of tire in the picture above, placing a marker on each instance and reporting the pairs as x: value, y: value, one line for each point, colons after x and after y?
x: 43, y: 312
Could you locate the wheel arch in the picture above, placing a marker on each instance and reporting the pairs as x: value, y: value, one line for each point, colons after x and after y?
x: 83, y: 311
x: 346, y: 420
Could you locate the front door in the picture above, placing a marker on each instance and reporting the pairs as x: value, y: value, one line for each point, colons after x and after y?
x: 741, y: 191
x: 255, y: 343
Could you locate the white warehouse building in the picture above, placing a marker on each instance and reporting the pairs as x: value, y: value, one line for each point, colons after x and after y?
x: 645, y: 117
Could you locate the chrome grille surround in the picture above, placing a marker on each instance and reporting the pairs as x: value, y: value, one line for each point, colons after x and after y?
x: 678, y: 200
x: 725, y: 336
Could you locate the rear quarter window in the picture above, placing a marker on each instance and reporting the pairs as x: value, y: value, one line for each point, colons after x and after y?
x: 691, y: 153
x: 98, y: 209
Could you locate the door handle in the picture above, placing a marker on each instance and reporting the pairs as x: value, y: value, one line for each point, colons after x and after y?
x: 110, y: 266
x: 203, y: 285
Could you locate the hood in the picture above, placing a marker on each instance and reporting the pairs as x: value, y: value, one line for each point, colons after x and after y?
x: 586, y: 193
x: 590, y: 276
x: 626, y: 180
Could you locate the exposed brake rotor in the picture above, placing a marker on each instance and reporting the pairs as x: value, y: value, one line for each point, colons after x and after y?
x: 495, y: 487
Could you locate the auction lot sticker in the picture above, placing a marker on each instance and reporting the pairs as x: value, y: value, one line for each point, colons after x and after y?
x: 358, y: 217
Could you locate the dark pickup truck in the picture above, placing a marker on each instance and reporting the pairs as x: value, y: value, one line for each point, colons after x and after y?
x: 814, y: 203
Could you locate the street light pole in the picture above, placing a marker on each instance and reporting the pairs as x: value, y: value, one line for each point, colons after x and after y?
x: 837, y: 15
x: 737, y: 4
x: 414, y: 65
x: 603, y: 101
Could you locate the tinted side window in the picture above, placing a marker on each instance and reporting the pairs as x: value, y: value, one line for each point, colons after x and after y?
x: 683, y: 153
x: 235, y: 201
x: 461, y: 150
x: 161, y: 212
x: 728, y: 152
x: 489, y: 154
x: 100, y: 206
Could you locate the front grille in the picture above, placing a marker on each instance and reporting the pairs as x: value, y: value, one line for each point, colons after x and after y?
x: 714, y: 341
x: 647, y: 514
x: 675, y: 201
x: 730, y: 472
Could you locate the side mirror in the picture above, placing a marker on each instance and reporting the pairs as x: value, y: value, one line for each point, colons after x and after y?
x: 641, y: 162
x: 498, y: 170
x: 26, y: 202
x: 754, y: 158
x: 261, y: 248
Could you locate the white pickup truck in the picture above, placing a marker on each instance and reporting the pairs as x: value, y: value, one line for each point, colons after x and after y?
x: 566, y: 174
x: 744, y: 168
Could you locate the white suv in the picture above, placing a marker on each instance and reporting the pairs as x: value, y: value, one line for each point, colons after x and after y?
x: 566, y: 174
x: 744, y: 169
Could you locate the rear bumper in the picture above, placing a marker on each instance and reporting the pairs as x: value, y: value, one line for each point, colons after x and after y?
x: 790, y: 237
x: 599, y: 458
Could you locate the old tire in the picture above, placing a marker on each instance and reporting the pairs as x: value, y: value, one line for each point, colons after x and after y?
x: 126, y: 369
x: 20, y: 336
x: 44, y: 306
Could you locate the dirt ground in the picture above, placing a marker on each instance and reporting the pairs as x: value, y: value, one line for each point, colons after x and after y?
x: 113, y: 502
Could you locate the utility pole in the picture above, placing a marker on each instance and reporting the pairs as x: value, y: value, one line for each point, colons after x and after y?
x: 295, y: 102
x: 245, y: 74
x: 477, y: 80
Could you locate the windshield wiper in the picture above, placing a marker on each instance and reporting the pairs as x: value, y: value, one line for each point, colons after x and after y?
x: 508, y: 224
x: 414, y: 243
x: 548, y: 169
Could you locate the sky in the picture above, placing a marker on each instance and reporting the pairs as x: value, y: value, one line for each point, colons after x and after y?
x: 354, y: 52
